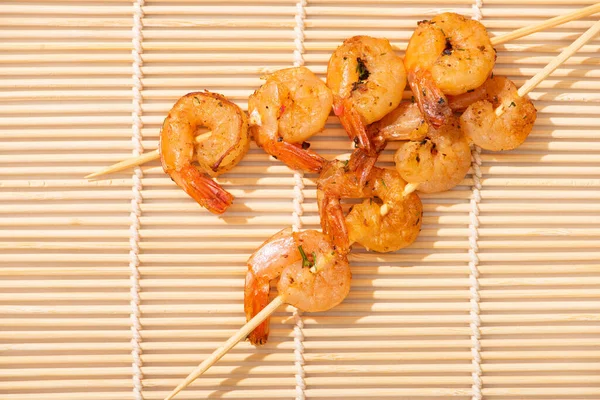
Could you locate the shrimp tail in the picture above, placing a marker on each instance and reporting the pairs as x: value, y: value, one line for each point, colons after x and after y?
x: 256, y: 297
x: 361, y: 164
x: 379, y: 140
x: 333, y: 222
x: 354, y: 125
x: 295, y: 157
x: 203, y: 189
x: 431, y: 100
x: 352, y: 181
x: 338, y: 231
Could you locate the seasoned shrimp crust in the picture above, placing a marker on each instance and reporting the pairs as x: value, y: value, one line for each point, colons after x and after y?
x: 226, y: 146
x: 312, y: 275
x: 507, y: 131
x: 367, y: 79
x: 290, y: 107
x: 456, y: 50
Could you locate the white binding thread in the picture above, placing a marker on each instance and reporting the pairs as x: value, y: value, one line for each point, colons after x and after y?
x: 477, y: 14
x: 134, y: 228
x: 473, y: 258
x: 298, y: 211
x: 299, y: 324
x: 474, y: 273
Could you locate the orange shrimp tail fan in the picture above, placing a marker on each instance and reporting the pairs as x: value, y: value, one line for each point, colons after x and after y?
x: 203, y: 189
x: 333, y: 221
x: 336, y: 227
x: 361, y: 164
x: 295, y: 157
x: 354, y: 125
x: 431, y: 100
x: 256, y: 298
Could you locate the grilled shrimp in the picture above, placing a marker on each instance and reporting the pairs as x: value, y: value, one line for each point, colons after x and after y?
x: 438, y: 162
x: 431, y: 159
x: 392, y: 225
x: 495, y: 132
x: 367, y: 79
x: 313, y: 276
x: 227, y: 145
x: 386, y: 221
x: 448, y: 55
x: 288, y: 109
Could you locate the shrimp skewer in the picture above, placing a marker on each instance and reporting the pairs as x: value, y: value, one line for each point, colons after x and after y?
x: 312, y: 277
x: 505, y: 116
x: 226, y: 146
x: 367, y: 79
x: 516, y: 34
x: 288, y: 109
x: 497, y: 117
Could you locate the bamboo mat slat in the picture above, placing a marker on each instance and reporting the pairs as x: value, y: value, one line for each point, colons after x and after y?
x: 407, y: 328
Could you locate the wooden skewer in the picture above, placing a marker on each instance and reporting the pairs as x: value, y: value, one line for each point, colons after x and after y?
x: 550, y: 23
x: 228, y: 345
x: 555, y: 63
x: 144, y: 158
x: 561, y: 58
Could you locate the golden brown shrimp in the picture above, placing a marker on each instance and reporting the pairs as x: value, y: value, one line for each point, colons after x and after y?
x: 506, y: 131
x: 438, y: 162
x: 289, y: 108
x: 448, y: 55
x: 313, y: 276
x: 227, y: 145
x: 387, y: 221
x: 406, y: 122
x: 367, y: 79
x: 392, y: 225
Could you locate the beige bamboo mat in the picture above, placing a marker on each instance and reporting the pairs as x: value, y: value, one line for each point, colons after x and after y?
x: 417, y: 324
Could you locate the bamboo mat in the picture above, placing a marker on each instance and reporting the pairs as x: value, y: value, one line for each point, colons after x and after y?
x: 115, y: 289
